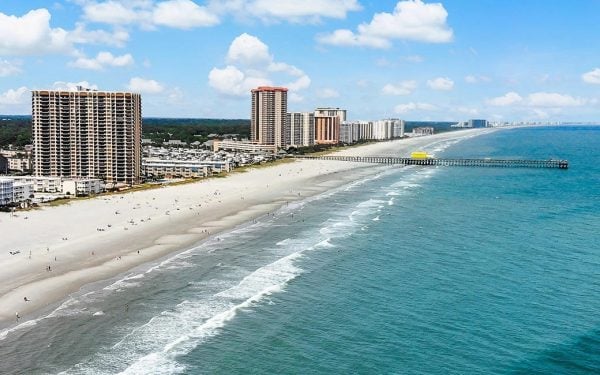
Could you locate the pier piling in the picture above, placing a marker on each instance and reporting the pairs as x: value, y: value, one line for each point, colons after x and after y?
x: 486, y: 162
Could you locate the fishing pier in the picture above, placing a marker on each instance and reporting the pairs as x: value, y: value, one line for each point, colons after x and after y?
x: 485, y: 162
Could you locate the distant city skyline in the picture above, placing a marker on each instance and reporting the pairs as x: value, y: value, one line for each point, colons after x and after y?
x: 416, y: 60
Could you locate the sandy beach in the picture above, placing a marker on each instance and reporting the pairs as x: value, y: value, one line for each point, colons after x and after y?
x: 64, y: 248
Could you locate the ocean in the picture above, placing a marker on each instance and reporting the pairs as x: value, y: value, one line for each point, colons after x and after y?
x: 414, y: 270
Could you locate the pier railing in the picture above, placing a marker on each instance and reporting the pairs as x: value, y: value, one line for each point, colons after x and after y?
x: 486, y: 162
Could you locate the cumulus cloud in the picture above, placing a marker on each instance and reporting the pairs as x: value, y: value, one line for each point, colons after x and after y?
x: 592, y: 77
x: 510, y: 98
x: 410, y: 20
x: 248, y: 50
x: 402, y: 88
x: 14, y: 96
x: 441, y: 84
x: 551, y: 99
x: 9, y: 68
x: 31, y: 34
x: 80, y: 35
x: 476, y: 79
x: 232, y: 81
x: 113, y: 12
x: 144, y: 86
x: 287, y: 10
x: 180, y: 14
x: 251, y: 64
x: 537, y: 100
x: 412, y: 106
x: 102, y: 60
x: 183, y: 14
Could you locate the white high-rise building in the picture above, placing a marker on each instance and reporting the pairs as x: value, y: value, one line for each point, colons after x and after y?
x: 354, y: 131
x: 87, y: 134
x: 301, y: 126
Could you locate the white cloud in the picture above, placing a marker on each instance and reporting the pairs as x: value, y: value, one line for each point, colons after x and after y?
x: 510, y: 98
x: 409, y: 107
x: 411, y: 20
x: 301, y: 83
x: 232, y: 81
x: 550, y: 99
x: 144, y: 86
x: 180, y: 14
x: 31, y: 34
x: 592, y: 77
x: 476, y: 79
x: 81, y: 35
x: 328, y: 93
x: 14, y: 96
x: 471, y: 79
x: 248, y: 50
x: 102, y: 60
x: 250, y: 65
x: 72, y: 86
x: 287, y: 10
x: 441, y: 84
x: 538, y: 100
x: 115, y: 12
x: 403, y: 88
x: 343, y: 37
x: 9, y: 68
x: 183, y: 14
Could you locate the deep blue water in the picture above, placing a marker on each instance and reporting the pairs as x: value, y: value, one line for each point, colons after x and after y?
x: 416, y: 271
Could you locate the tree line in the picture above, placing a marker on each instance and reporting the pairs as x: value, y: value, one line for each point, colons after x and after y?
x: 16, y: 131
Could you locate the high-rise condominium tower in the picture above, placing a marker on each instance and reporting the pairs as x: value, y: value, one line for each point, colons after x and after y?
x: 302, y: 128
x: 91, y: 134
x: 327, y: 125
x: 269, y: 110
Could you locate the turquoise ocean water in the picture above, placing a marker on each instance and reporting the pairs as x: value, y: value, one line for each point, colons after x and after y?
x: 416, y: 270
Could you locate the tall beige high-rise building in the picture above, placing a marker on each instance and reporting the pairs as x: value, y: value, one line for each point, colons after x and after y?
x: 268, y: 121
x: 91, y: 134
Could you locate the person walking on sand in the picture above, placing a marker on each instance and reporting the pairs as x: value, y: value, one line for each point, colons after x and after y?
x: 17, y: 316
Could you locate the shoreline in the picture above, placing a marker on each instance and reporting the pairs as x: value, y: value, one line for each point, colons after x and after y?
x: 147, y: 226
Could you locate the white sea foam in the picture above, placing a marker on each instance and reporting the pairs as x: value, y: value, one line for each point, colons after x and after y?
x: 251, y: 289
x: 284, y: 242
x: 325, y: 243
x: 26, y: 324
x: 156, y: 344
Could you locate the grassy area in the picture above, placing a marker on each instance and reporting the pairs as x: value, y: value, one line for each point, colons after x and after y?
x: 333, y: 149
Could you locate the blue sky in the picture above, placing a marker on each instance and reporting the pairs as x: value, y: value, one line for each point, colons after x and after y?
x: 417, y: 60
